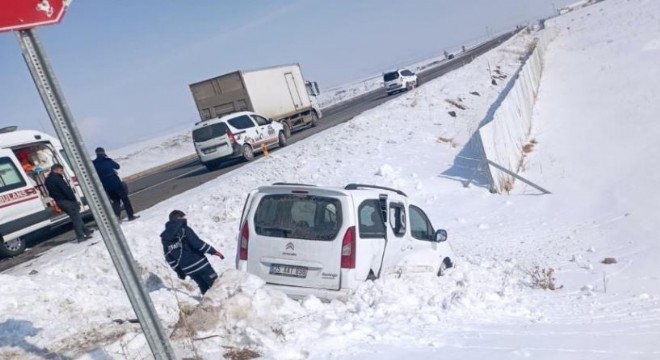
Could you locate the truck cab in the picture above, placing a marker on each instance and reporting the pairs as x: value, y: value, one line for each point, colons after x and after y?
x: 313, y: 91
x: 26, y: 157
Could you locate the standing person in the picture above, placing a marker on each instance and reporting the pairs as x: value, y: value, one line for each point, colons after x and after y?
x: 61, y: 192
x: 116, y: 189
x: 185, y: 252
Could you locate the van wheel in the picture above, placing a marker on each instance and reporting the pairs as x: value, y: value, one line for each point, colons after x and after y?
x: 248, y: 153
x: 281, y: 139
x: 13, y: 247
x: 446, y: 265
x: 287, y: 129
x: 211, y: 166
x: 315, y: 119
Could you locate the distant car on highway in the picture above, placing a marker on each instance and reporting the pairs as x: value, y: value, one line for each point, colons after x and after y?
x: 399, y: 80
x: 240, y: 134
x: 325, y: 241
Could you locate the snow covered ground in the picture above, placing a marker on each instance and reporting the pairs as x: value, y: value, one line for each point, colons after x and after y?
x: 596, y: 134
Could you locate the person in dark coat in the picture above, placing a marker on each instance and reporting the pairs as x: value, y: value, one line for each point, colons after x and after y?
x: 116, y: 189
x: 185, y: 252
x: 61, y: 192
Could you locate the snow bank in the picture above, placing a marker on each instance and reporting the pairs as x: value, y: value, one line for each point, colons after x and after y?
x: 66, y: 300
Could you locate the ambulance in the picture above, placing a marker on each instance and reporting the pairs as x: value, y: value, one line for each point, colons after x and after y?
x: 26, y: 157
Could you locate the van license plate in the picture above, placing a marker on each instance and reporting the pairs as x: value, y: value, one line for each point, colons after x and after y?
x: 287, y: 270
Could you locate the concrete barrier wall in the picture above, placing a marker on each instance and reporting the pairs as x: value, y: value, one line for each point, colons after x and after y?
x: 506, y: 133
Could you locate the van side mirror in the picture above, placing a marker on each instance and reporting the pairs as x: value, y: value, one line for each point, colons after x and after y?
x: 270, y: 120
x: 440, y: 235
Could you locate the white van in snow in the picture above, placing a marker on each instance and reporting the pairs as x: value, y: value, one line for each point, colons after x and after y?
x: 25, y: 160
x: 241, y: 134
x: 304, y: 239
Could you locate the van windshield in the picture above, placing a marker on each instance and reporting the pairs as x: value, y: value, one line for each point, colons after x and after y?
x: 298, y: 217
x: 391, y: 76
x: 209, y: 132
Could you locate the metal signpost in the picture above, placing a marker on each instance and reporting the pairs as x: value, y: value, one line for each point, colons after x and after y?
x: 22, y: 16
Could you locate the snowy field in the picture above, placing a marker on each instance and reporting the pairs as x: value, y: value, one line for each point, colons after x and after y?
x: 596, y: 132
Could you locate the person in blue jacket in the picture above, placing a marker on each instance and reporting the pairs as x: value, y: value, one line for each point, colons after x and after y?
x: 185, y: 252
x: 116, y: 189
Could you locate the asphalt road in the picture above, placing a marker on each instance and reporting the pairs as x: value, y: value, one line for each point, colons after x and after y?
x: 152, y: 189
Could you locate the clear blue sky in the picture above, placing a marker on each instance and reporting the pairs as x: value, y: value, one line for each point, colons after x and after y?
x: 125, y: 66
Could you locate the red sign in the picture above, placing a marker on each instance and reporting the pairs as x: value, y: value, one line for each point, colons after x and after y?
x: 26, y: 14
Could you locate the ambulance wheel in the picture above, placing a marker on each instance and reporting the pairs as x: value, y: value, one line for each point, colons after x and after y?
x: 12, y: 248
x: 248, y: 153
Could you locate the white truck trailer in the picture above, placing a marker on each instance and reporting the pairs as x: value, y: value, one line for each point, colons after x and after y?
x: 278, y: 92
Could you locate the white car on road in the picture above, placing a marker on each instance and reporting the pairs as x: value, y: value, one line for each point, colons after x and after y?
x: 304, y: 239
x: 399, y: 80
x: 240, y: 134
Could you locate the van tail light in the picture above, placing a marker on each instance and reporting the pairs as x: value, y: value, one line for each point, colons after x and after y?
x: 348, y: 249
x: 231, y: 136
x: 243, y: 246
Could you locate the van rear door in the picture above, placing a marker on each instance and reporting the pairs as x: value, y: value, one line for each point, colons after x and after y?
x: 212, y: 141
x: 296, y: 239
